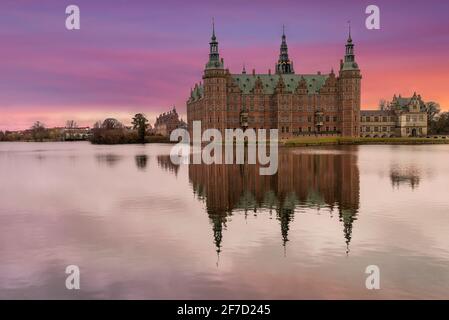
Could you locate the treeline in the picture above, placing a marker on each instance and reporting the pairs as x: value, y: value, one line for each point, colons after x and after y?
x: 440, y: 124
x: 38, y: 133
x: 112, y: 131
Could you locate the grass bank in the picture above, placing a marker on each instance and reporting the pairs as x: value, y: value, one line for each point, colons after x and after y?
x: 304, y: 142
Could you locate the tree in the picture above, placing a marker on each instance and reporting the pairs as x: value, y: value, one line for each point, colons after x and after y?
x: 140, y: 123
x: 382, y: 104
x: 440, y: 124
x: 111, y: 124
x: 97, y: 125
x: 71, y: 124
x: 38, y: 131
x: 432, y: 109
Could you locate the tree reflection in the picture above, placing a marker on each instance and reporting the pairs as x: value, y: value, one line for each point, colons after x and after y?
x: 141, y: 161
x: 109, y: 159
x: 165, y: 163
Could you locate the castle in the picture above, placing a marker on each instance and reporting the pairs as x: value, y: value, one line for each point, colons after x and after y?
x: 402, y: 117
x: 167, y: 122
x: 295, y: 104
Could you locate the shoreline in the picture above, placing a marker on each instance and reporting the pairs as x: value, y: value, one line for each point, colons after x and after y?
x: 308, y: 142
x: 295, y: 142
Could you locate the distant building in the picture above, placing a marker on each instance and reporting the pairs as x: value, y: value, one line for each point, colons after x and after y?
x: 402, y: 117
x: 76, y: 133
x: 167, y: 122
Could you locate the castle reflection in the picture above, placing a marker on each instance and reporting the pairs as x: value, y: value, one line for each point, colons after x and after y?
x: 303, y: 181
x: 405, y: 176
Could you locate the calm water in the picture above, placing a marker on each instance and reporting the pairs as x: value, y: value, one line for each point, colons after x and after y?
x: 140, y: 227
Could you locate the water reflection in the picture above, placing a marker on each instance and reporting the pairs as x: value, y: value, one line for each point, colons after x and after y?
x: 141, y: 161
x: 165, y: 163
x: 304, y: 181
x: 409, y: 176
x: 110, y: 159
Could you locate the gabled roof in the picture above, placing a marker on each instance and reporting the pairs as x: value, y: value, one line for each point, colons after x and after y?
x: 246, y: 82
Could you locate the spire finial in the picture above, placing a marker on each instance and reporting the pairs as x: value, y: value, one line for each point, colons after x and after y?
x: 349, y: 28
x: 213, y: 27
x: 283, y: 30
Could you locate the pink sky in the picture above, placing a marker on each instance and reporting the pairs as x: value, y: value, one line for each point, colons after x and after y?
x: 145, y: 57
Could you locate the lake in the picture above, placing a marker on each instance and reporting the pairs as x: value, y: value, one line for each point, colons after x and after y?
x: 140, y: 227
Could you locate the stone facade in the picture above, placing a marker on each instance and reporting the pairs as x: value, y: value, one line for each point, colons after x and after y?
x: 296, y: 104
x: 402, y: 117
x: 167, y: 122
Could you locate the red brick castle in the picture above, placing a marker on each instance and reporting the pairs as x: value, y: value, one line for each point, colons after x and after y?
x: 296, y: 104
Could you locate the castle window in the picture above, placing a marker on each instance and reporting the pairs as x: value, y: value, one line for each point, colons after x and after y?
x: 327, y: 119
x: 282, y: 130
x: 287, y: 129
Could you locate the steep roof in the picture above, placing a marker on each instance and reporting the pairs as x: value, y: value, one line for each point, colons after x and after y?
x: 246, y: 82
x: 376, y: 113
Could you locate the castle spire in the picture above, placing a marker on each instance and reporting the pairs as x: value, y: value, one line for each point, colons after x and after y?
x: 284, y: 64
x: 349, y: 60
x: 349, y: 27
x: 214, y: 56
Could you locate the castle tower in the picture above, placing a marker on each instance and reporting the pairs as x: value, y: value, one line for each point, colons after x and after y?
x: 284, y: 65
x: 349, y: 84
x: 214, y: 88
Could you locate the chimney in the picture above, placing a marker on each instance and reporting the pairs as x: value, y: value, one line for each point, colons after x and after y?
x: 269, y: 72
x: 319, y: 73
x: 254, y: 72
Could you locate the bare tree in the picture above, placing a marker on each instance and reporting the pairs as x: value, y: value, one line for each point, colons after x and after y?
x: 38, y: 131
x: 111, y: 123
x: 432, y: 109
x: 71, y: 124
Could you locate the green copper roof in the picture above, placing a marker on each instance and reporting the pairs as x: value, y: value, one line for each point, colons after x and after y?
x: 246, y: 82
